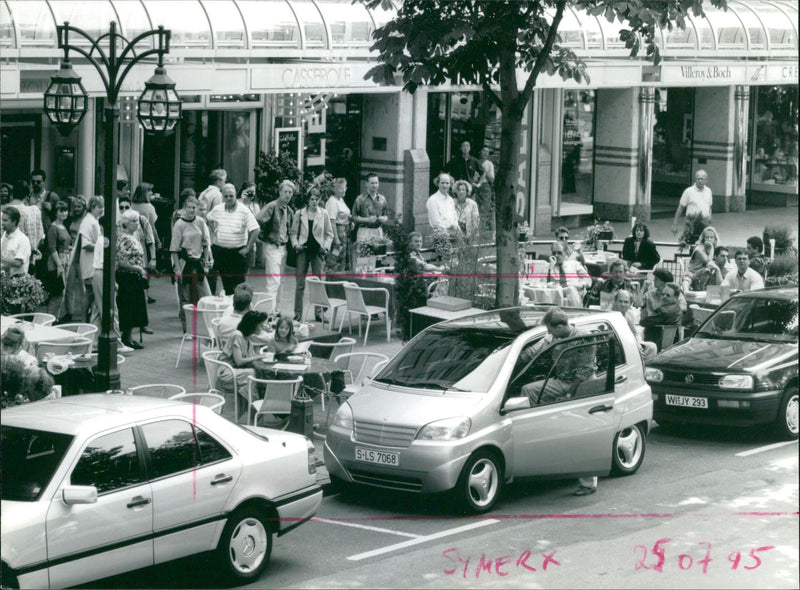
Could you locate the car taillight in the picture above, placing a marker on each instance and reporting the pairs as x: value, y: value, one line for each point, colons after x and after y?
x: 312, y: 461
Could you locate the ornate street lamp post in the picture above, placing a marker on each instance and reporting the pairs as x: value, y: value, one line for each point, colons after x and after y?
x: 65, y: 103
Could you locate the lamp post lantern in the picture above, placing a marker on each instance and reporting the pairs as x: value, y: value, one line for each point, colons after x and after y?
x: 65, y: 103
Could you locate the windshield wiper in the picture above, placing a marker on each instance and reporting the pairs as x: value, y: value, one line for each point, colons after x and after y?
x: 390, y: 381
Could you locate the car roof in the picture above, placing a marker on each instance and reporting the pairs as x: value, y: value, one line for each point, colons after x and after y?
x: 788, y: 293
x: 510, y: 322
x: 70, y: 415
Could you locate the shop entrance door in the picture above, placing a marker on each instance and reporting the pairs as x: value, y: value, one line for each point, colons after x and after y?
x: 159, y: 168
x: 19, y: 154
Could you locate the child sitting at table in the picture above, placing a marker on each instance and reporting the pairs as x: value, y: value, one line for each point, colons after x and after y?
x: 239, y: 351
x: 283, y: 342
x: 14, y: 344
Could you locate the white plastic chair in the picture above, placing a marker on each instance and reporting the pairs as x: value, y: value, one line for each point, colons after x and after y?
x: 213, y: 366
x: 359, y: 368
x: 318, y: 297
x: 265, y: 305
x: 438, y: 288
x: 78, y: 346
x: 160, y: 390
x: 328, y: 350
x: 43, y: 319
x: 204, y: 331
x: 81, y: 329
x: 214, y: 401
x: 354, y: 295
x: 277, y: 400
x: 216, y: 333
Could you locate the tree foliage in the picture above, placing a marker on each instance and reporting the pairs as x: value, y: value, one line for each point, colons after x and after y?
x: 487, y: 43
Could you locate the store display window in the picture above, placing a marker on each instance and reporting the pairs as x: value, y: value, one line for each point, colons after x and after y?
x: 774, y: 116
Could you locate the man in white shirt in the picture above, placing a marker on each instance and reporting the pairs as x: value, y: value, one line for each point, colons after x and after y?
x: 16, y: 247
x: 234, y: 230
x: 696, y: 202
x: 212, y: 196
x: 442, y: 214
x: 743, y: 278
x: 570, y: 274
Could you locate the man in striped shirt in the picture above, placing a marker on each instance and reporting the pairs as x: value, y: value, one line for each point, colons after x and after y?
x: 234, y: 230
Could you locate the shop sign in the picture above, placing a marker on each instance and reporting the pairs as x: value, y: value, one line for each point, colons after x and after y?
x: 706, y: 74
x: 35, y: 81
x: 783, y: 74
x: 300, y: 76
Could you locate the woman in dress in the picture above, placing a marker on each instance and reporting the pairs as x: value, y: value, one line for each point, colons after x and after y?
x: 58, y: 248
x: 131, y: 275
x: 77, y: 211
x: 339, y: 214
x: 240, y: 351
x: 467, y: 209
x: 639, y: 250
x: 311, y: 236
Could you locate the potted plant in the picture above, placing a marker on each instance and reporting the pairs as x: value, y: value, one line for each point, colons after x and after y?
x: 782, y: 234
x: 782, y: 270
x: 409, y: 288
x: 21, y: 293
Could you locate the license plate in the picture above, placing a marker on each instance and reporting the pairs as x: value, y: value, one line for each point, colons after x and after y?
x: 685, y: 401
x: 377, y: 456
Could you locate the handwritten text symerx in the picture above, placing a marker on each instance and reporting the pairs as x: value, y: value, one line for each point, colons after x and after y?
x: 501, y: 566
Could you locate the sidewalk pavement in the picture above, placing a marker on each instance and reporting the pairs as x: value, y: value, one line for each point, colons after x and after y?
x: 156, y: 362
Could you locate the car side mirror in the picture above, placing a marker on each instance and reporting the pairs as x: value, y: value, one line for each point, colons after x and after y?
x: 79, y: 495
x: 516, y: 403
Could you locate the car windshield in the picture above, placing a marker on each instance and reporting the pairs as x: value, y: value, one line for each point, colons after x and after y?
x: 753, y: 318
x: 462, y: 359
x: 30, y: 458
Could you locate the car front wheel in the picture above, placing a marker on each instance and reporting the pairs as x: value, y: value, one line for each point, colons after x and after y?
x: 245, y: 546
x: 628, y: 450
x: 786, y: 423
x: 480, y: 482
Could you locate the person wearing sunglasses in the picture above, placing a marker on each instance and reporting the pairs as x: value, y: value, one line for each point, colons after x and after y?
x: 571, y: 251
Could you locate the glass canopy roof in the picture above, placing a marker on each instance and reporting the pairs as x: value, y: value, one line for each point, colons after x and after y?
x: 747, y: 26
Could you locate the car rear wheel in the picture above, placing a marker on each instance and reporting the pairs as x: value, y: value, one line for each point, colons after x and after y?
x: 480, y: 483
x: 786, y: 423
x: 628, y: 450
x: 245, y: 546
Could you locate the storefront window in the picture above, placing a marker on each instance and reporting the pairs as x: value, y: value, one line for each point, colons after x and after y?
x: 672, y: 140
x: 774, y: 138
x: 236, y: 134
x: 577, y: 148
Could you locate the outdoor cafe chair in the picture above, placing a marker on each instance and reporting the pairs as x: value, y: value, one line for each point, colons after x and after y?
x: 214, y: 401
x: 354, y: 296
x: 359, y: 368
x: 277, y: 400
x: 700, y: 314
x: 43, y: 319
x: 161, y: 390
x: 265, y: 305
x: 331, y: 350
x: 198, y: 327
x: 81, y: 329
x: 318, y: 297
x: 213, y: 366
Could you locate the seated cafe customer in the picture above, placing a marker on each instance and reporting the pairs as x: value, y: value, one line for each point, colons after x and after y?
x: 668, y: 313
x: 283, y: 341
x: 239, y: 351
x: 14, y: 344
x: 622, y: 302
x: 712, y: 273
x: 415, y: 254
x: 743, y: 278
x: 654, y: 291
x: 229, y: 322
x: 569, y: 274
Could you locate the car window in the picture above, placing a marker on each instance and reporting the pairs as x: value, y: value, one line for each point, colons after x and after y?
x: 465, y: 359
x: 172, y: 447
x: 211, y: 450
x: 575, y: 373
x: 753, y: 318
x: 109, y: 462
x: 603, y: 327
x: 29, y: 460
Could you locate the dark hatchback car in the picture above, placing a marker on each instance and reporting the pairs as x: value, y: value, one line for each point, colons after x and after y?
x: 738, y: 369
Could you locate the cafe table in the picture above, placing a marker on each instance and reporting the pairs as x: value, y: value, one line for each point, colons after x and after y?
x: 36, y: 333
x: 597, y: 263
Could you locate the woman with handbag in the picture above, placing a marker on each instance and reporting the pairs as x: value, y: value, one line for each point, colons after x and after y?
x: 131, y: 278
x: 311, y: 236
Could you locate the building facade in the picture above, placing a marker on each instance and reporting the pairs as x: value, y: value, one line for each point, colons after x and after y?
x: 258, y: 74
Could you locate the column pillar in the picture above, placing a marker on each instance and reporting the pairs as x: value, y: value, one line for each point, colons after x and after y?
x: 644, y: 153
x: 713, y: 144
x: 86, y: 155
x: 618, y: 156
x: 742, y: 108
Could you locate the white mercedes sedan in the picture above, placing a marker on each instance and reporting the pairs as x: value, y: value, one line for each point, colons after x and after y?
x: 97, y: 485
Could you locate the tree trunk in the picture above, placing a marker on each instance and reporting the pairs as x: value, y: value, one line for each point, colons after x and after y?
x: 506, y: 217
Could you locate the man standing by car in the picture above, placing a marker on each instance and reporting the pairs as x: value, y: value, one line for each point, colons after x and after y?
x: 234, y: 231
x: 574, y: 367
x: 743, y: 278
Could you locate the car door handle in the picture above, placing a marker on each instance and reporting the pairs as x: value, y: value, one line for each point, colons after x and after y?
x: 597, y: 409
x: 137, y: 501
x: 621, y: 379
x: 221, y: 478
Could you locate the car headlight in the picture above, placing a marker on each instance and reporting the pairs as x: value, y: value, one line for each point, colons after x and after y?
x: 344, y: 417
x: 653, y: 375
x: 736, y: 382
x: 448, y: 429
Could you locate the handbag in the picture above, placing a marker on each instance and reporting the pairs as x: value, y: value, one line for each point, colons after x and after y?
x: 291, y: 255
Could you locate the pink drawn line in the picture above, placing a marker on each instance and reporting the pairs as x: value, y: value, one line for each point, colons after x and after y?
x: 380, y: 275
